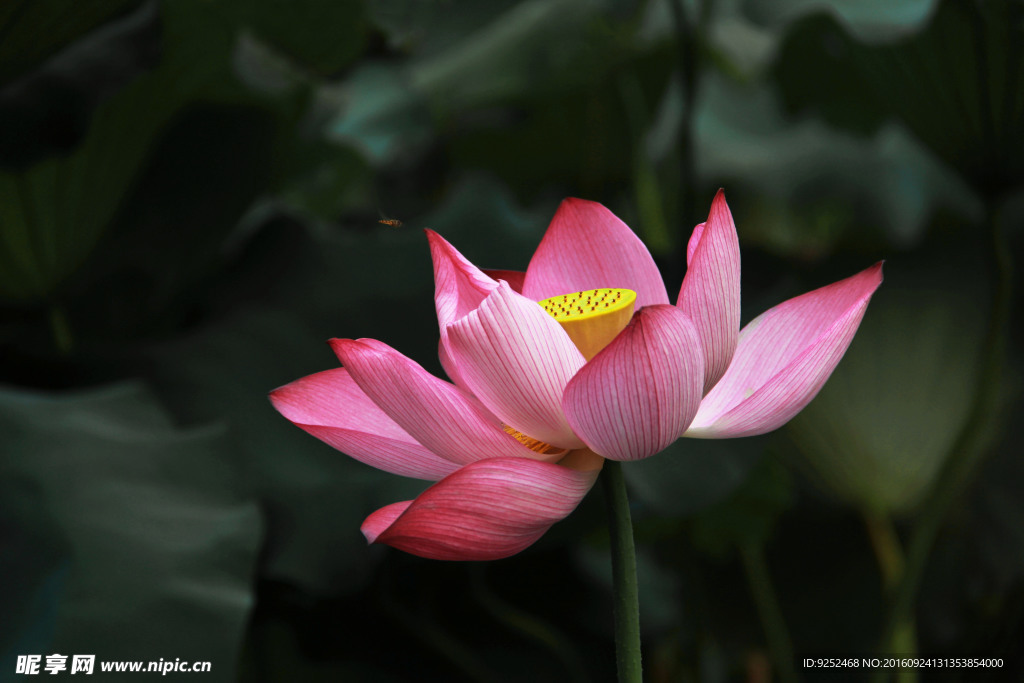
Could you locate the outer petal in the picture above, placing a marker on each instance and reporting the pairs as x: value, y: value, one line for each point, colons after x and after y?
x: 514, y: 278
x: 710, y: 294
x: 485, y: 511
x: 332, y: 408
x: 437, y: 414
x: 784, y: 357
x: 641, y: 391
x: 517, y: 360
x: 587, y: 247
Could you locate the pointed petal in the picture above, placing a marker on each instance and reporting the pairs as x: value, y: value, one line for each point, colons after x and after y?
x: 517, y: 360
x: 437, y: 414
x: 485, y: 511
x: 710, y: 294
x: 459, y: 286
x: 514, y: 278
x: 587, y: 247
x: 332, y: 408
x: 374, y: 525
x: 641, y: 391
x: 784, y: 357
x: 691, y: 246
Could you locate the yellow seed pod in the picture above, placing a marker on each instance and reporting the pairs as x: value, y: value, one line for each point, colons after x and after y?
x: 592, y: 318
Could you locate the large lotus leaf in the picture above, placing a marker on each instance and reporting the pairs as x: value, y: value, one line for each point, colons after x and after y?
x: 34, y: 31
x: 47, y: 110
x: 693, y: 474
x: 379, y: 113
x: 54, y: 212
x: 880, y: 429
x: 869, y: 20
x: 426, y: 30
x: 142, y: 537
x: 169, y: 241
x: 321, y: 35
x: 807, y: 166
x: 315, y: 498
x: 528, y: 50
x: 954, y: 85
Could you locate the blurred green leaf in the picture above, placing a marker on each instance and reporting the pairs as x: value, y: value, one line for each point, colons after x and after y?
x: 747, y: 518
x: 532, y: 43
x: 692, y: 474
x: 954, y: 85
x: 321, y: 35
x: 879, y: 430
x: 54, y: 213
x: 154, y: 525
x: 47, y: 111
x: 32, y: 31
x: 315, y: 497
x: 868, y: 20
x: 805, y: 167
x: 379, y: 113
x: 170, y: 234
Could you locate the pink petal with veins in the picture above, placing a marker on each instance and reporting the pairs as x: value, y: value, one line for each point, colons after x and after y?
x: 459, y: 286
x: 330, y: 406
x: 638, y: 394
x: 784, y: 357
x: 487, y: 510
x: 710, y: 293
x: 437, y: 414
x: 517, y: 359
x: 588, y: 247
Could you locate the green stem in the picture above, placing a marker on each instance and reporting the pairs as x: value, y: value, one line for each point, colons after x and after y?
x: 886, y: 544
x: 892, y: 564
x: 768, y: 609
x: 63, y: 340
x: 626, y: 595
x: 963, y: 459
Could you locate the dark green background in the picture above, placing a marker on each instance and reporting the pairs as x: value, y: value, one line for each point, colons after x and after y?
x: 189, y: 204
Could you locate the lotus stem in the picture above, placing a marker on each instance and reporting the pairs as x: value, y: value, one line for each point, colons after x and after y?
x: 779, y: 642
x: 625, y: 592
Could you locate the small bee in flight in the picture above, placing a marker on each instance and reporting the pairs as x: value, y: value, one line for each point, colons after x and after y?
x: 390, y: 222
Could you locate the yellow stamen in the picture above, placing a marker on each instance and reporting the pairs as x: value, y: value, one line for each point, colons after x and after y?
x: 592, y: 318
x: 535, y: 445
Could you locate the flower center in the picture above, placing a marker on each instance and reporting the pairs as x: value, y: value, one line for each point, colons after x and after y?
x: 592, y: 318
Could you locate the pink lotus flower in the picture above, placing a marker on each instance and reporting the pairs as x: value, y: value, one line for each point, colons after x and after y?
x: 606, y: 367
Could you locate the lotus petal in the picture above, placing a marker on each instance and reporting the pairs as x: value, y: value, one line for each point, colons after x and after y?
x: 641, y: 391
x: 330, y: 406
x: 588, y: 247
